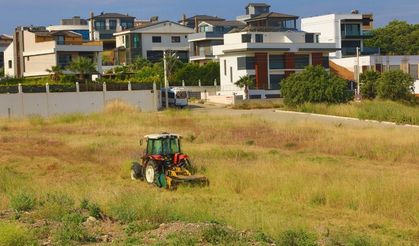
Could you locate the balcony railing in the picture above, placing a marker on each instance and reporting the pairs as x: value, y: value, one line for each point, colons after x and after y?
x: 356, y: 34
x: 205, y: 35
x: 351, y: 51
x: 78, y: 42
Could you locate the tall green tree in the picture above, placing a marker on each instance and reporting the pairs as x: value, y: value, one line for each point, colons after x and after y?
x: 55, y: 72
x: 395, y: 85
x: 315, y: 85
x: 83, y: 66
x: 397, y: 38
x: 245, y: 82
x: 369, y: 84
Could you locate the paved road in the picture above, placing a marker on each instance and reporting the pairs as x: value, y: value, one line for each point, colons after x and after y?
x: 289, y: 117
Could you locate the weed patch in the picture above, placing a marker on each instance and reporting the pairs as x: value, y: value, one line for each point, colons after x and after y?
x: 22, y: 201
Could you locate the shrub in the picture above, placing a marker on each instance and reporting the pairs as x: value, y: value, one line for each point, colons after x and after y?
x: 218, y: 234
x: 395, y: 85
x: 315, y: 85
x: 55, y: 206
x: 94, y: 210
x: 12, y: 234
x: 71, y: 230
x: 369, y: 84
x: 22, y: 201
x: 297, y: 237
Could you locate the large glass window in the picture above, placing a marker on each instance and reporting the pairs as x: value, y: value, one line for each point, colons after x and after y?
x: 351, y: 29
x: 154, y: 56
x: 100, y: 25
x: 175, y: 39
x: 245, y: 63
x: 246, y: 38
x: 156, y: 39
x: 275, y: 81
x: 301, y: 61
x: 126, y: 24
x: 112, y: 24
x: 325, y: 60
x: 64, y: 60
x: 413, y: 71
x: 276, y: 62
x: 136, y: 40
x: 259, y: 38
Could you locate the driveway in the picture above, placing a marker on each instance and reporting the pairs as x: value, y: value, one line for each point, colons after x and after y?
x: 292, y: 117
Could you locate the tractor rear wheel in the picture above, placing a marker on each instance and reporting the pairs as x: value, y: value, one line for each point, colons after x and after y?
x: 136, y: 171
x: 151, y: 172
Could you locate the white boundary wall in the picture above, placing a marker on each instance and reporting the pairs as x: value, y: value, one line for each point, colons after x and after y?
x: 48, y: 104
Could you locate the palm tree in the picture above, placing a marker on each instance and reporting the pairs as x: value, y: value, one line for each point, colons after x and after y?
x: 82, y: 66
x: 245, y: 82
x: 55, y: 72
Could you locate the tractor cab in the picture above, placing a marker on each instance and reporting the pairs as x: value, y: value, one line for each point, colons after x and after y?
x: 165, y: 144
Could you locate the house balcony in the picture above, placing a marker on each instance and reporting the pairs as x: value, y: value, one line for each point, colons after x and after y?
x: 77, y: 46
x: 205, y: 36
x: 351, y: 51
x: 356, y: 34
x: 202, y: 57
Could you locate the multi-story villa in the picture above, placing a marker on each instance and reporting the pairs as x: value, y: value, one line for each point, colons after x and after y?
x: 151, y: 40
x: 34, y: 50
x: 269, y: 48
x: 346, y: 31
x: 210, y: 33
x: 75, y: 24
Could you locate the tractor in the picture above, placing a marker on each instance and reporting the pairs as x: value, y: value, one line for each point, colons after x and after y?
x: 163, y: 163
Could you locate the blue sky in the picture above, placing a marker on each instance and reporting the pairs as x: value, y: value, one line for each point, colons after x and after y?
x: 49, y: 12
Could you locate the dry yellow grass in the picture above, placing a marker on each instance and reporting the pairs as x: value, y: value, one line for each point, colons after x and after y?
x: 264, y: 176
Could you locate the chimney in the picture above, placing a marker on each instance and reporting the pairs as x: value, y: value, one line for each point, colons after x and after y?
x: 91, y: 29
x: 184, y: 19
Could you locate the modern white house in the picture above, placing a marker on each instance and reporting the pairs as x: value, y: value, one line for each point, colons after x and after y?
x: 347, y: 31
x: 347, y: 67
x: 151, y: 40
x: 34, y: 49
x: 75, y: 24
x: 5, y: 41
x: 210, y: 33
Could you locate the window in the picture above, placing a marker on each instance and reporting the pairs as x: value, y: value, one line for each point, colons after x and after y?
x: 10, y: 63
x: 156, y: 39
x: 275, y: 81
x: 60, y: 40
x: 245, y: 63
x: 64, y: 60
x: 326, y: 61
x: 309, y: 37
x: 276, y: 62
x: 246, y: 38
x: 112, y: 24
x: 413, y: 71
x: 175, y: 39
x: 123, y: 39
x: 100, y: 25
x: 219, y: 29
x: 136, y: 40
x: 27, y: 58
x: 204, y: 28
x: 394, y: 67
x: 259, y: 38
x: 126, y: 24
x: 351, y: 29
x: 301, y: 61
x: 154, y: 56
x: 231, y: 74
x: 225, y: 67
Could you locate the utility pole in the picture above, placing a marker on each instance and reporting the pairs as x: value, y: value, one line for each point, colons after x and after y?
x: 358, y: 87
x: 166, y: 82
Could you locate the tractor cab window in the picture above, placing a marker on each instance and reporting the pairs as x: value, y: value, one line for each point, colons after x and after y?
x: 174, y: 145
x: 166, y: 146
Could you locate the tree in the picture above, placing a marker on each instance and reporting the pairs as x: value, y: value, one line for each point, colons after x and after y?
x: 314, y: 85
x: 82, y: 66
x: 397, y: 38
x: 245, y: 82
x: 369, y: 84
x: 138, y: 63
x: 55, y: 72
x: 191, y: 73
x: 395, y: 85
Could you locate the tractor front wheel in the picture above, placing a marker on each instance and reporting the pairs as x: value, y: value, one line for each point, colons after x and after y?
x: 151, y: 172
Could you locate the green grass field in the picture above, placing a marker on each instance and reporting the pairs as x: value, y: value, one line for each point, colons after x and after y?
x: 299, y: 182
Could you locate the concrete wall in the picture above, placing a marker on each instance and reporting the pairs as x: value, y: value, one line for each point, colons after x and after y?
x: 48, y: 104
x: 37, y: 65
x: 268, y: 37
x: 326, y: 25
x: 166, y: 42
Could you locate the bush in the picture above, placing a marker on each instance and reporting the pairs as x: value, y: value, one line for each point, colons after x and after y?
x: 315, y: 85
x: 395, y: 85
x: 297, y: 237
x: 218, y: 234
x: 12, y: 234
x: 369, y: 84
x: 55, y: 206
x: 94, y: 210
x: 71, y: 230
x: 22, y: 202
